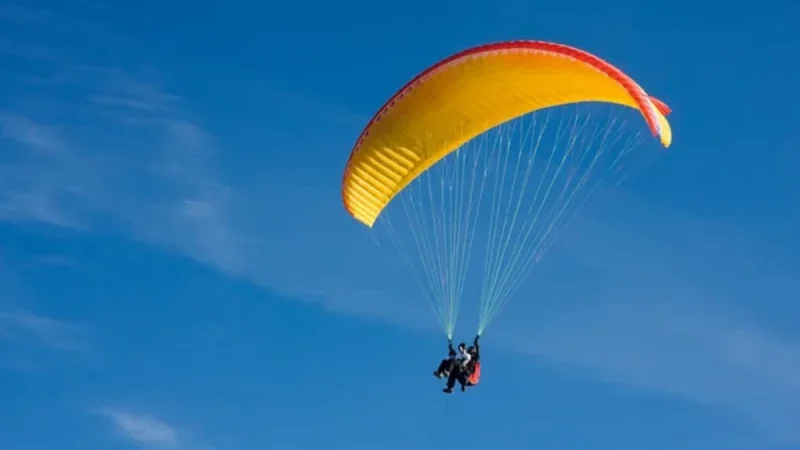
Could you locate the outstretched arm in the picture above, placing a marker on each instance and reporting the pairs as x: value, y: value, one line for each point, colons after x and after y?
x: 477, y: 345
x: 450, y: 349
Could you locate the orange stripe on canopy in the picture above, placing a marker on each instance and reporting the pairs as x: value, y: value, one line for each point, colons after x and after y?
x: 469, y: 93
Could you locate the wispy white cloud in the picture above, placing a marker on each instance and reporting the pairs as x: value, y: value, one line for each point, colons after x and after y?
x: 29, y: 52
x: 147, y: 431
x: 728, y: 365
x: 138, y: 158
x: 41, y: 179
x: 22, y: 330
x: 24, y: 326
x: 28, y: 132
x: 36, y: 206
x: 54, y: 260
x: 182, y: 205
x: 144, y: 430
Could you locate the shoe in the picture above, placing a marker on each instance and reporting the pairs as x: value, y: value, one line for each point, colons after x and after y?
x: 437, y: 374
x: 447, y: 391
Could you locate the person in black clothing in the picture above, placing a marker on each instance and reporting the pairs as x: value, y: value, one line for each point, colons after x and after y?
x: 463, y: 368
x: 475, y: 352
x: 447, y: 364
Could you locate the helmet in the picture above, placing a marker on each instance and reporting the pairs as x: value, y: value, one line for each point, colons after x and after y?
x: 462, y: 346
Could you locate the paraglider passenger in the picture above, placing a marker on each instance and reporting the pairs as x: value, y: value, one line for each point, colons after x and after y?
x: 446, y: 366
x: 458, y: 371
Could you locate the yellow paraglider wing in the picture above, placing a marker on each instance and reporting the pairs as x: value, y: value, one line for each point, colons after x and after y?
x: 469, y: 93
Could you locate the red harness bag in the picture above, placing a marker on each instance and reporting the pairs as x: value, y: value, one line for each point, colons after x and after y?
x: 476, y: 374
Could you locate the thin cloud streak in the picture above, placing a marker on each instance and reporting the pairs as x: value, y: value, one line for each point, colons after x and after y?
x: 727, y: 365
x: 145, y: 430
x: 57, y: 334
x: 28, y: 132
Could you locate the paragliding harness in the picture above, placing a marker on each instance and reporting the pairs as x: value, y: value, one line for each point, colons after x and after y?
x: 475, y: 376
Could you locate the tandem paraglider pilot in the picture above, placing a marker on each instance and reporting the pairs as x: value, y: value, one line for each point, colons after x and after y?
x: 462, y: 365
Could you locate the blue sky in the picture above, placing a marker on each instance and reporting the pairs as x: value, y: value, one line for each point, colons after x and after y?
x: 177, y: 270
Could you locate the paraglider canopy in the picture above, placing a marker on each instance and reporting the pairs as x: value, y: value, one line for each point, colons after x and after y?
x: 428, y: 147
x: 465, y: 95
